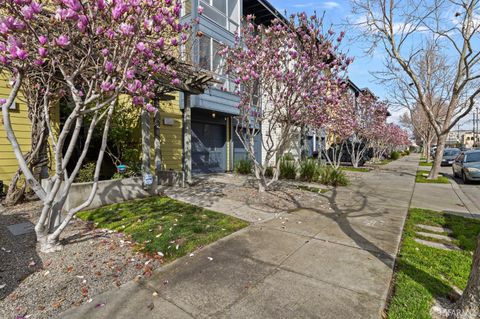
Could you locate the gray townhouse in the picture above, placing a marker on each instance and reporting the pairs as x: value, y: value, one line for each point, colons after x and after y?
x: 214, y: 143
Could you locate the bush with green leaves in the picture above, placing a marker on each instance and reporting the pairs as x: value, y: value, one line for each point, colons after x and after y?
x: 395, y: 155
x: 243, y: 166
x: 332, y: 176
x: 288, y: 157
x: 288, y: 168
x: 309, y: 170
x: 86, y: 173
x: 269, y: 171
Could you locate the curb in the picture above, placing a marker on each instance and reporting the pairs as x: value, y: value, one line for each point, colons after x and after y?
x: 472, y: 208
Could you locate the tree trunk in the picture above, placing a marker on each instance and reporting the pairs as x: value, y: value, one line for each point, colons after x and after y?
x: 468, y: 306
x: 438, y: 157
x: 187, y: 139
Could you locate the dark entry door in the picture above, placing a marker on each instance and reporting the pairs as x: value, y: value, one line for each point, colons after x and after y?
x: 239, y: 152
x: 209, y: 153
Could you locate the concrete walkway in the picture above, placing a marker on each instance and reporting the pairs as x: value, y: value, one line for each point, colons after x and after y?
x: 330, y: 259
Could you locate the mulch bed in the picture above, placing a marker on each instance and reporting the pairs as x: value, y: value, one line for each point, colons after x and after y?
x: 38, y: 285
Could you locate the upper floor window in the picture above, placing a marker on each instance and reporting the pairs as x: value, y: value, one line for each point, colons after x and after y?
x: 186, y: 7
x: 224, y: 12
x: 209, y: 59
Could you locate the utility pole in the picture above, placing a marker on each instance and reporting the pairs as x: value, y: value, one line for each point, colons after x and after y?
x: 477, y: 136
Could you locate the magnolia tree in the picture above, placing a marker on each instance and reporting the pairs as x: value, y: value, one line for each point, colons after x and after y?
x: 370, y: 115
x: 389, y: 137
x: 337, y: 119
x: 89, y: 52
x: 282, y: 70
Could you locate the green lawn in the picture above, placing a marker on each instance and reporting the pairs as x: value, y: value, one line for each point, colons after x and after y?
x: 422, y: 179
x: 423, y: 272
x: 355, y: 169
x: 423, y: 163
x: 161, y: 224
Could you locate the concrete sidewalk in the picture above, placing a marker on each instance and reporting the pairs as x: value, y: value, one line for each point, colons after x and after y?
x: 329, y: 259
x: 455, y: 197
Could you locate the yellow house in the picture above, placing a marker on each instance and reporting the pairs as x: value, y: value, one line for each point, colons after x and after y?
x: 170, y: 130
x: 171, y: 134
x: 21, y: 125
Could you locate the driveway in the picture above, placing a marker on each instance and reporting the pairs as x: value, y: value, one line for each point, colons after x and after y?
x: 332, y: 258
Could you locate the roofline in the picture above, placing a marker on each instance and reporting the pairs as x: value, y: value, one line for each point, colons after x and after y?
x: 272, y: 10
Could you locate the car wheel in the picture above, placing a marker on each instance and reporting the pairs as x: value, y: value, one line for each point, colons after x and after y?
x: 464, y: 178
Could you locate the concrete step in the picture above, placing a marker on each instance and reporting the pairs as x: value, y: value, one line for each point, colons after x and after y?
x: 437, y: 245
x: 435, y: 229
x: 435, y: 236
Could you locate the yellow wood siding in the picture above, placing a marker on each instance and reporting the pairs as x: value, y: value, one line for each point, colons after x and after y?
x: 22, y: 127
x: 171, y: 135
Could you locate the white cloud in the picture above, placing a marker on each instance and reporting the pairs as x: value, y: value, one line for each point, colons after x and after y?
x: 325, y: 5
x: 331, y: 5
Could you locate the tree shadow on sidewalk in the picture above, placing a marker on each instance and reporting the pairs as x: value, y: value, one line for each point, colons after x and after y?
x: 342, y: 217
x: 18, y: 254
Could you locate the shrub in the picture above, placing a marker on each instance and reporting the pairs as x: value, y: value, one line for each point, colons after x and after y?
x: 86, y: 173
x: 243, y: 166
x: 406, y: 152
x: 269, y: 171
x: 332, y: 176
x: 288, y: 169
x: 288, y: 157
x: 309, y: 170
x: 394, y: 155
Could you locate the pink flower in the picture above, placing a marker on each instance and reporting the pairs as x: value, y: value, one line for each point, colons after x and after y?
x: 82, y: 23
x: 160, y: 42
x: 140, y: 46
x: 62, y: 40
x: 27, y: 12
x: 42, y: 52
x: 101, y: 4
x: 42, y: 39
x: 22, y: 54
x: 107, y: 86
x: 200, y: 10
x: 130, y: 74
x: 150, y: 108
x: 105, y: 52
x: 138, y: 100
x: 176, y: 82
x: 3, y: 101
x: 75, y: 5
x: 126, y: 29
x: 109, y: 67
x: 174, y: 42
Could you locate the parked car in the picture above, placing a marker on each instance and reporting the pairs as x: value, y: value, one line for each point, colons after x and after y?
x: 449, y: 156
x: 467, y: 166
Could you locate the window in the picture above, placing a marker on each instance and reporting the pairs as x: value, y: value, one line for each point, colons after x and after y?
x: 186, y: 7
x: 226, y: 13
x: 472, y: 157
x: 205, y: 53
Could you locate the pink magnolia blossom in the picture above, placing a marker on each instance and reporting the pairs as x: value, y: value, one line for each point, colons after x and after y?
x: 62, y: 40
